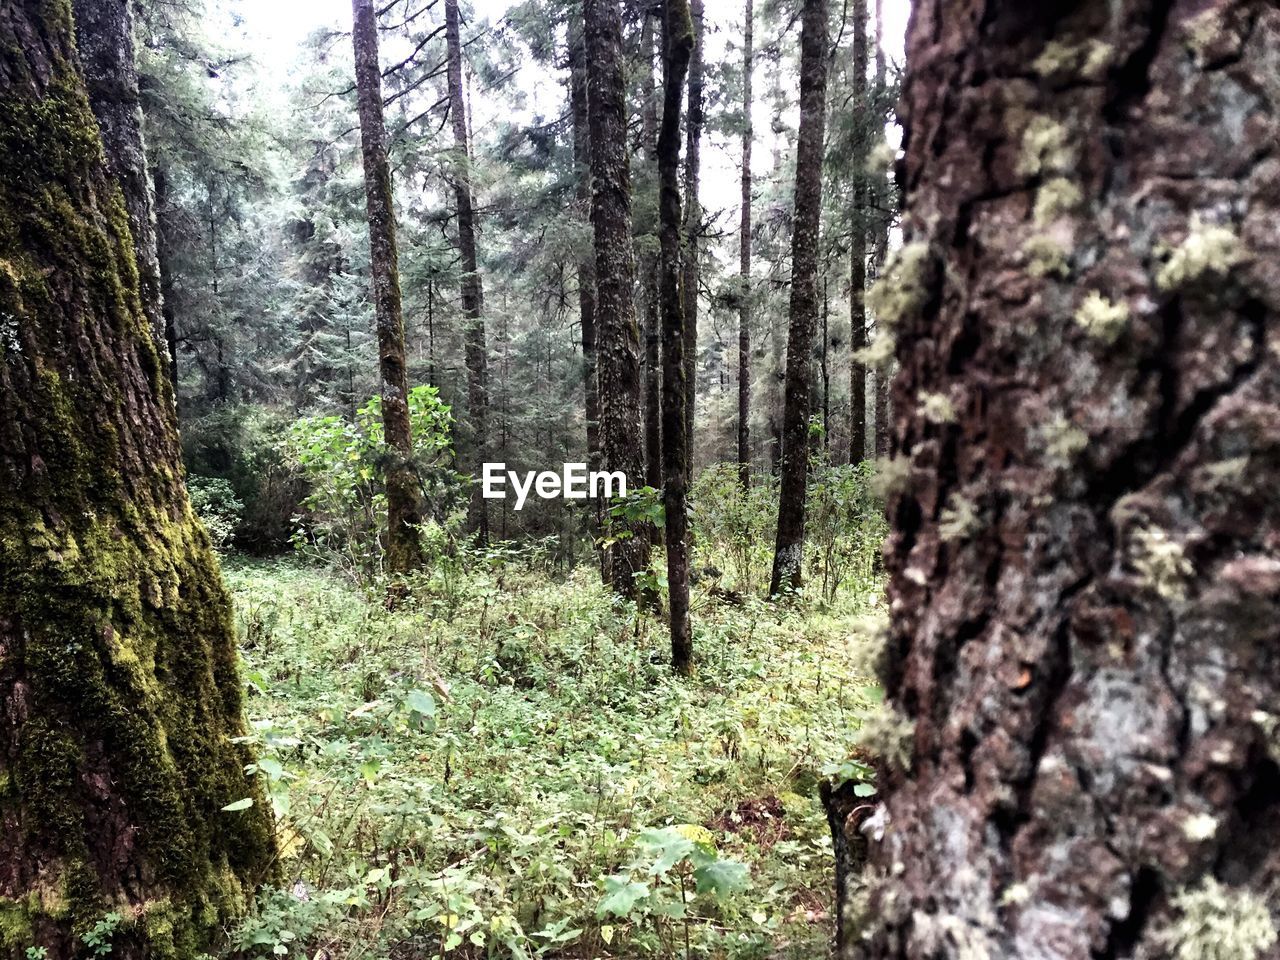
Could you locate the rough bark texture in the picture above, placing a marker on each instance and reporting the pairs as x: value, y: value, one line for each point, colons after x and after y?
x: 649, y: 268
x: 1084, y: 576
x: 586, y: 262
x: 476, y: 346
x: 618, y: 338
x: 744, y: 256
x: 692, y: 223
x: 858, y: 245
x: 803, y: 307
x: 104, y: 41
x: 119, y: 697
x: 404, y: 496
x: 677, y: 44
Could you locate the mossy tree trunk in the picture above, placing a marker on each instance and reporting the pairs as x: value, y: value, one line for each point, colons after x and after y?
x: 650, y: 272
x: 1084, y: 570
x: 119, y: 697
x: 677, y: 45
x: 619, y: 338
x: 692, y: 226
x: 474, y: 339
x: 744, y: 256
x: 803, y: 307
x: 404, y: 493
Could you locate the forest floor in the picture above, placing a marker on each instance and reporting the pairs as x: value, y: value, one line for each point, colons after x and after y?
x: 505, y: 767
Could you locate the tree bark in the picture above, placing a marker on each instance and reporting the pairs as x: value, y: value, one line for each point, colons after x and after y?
x: 586, y: 262
x: 104, y: 41
x: 692, y: 224
x: 859, y: 222
x: 119, y: 697
x: 880, y: 249
x: 803, y: 308
x: 619, y: 340
x: 744, y: 257
x: 476, y: 347
x: 1083, y: 562
x: 404, y: 497
x: 650, y: 268
x: 677, y: 43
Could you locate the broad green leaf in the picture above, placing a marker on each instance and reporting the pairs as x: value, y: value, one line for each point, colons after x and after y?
x: 721, y: 878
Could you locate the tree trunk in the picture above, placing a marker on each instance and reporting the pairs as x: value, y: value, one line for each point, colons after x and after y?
x: 104, y: 41
x: 692, y: 225
x: 1083, y: 561
x: 677, y: 43
x: 803, y: 309
x: 653, y: 320
x: 476, y: 347
x: 119, y: 697
x: 164, y: 257
x: 619, y: 340
x: 859, y: 221
x: 404, y: 497
x: 586, y: 262
x: 744, y: 258
x: 880, y: 249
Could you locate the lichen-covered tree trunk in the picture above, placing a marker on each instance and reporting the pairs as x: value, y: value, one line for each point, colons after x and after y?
x: 692, y: 225
x: 744, y: 256
x: 404, y: 493
x: 1085, y: 556
x: 119, y: 697
x: 677, y: 45
x: 104, y: 42
x: 618, y: 344
x: 859, y: 222
x: 803, y: 307
x: 649, y: 278
x: 476, y: 346
x: 587, y: 261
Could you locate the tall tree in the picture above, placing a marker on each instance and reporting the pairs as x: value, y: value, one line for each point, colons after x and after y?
x: 649, y: 269
x: 803, y: 308
x: 744, y: 256
x: 693, y: 218
x: 880, y: 246
x: 1084, y: 580
x: 104, y: 41
x: 404, y: 495
x: 117, y: 650
x: 677, y: 46
x: 618, y: 339
x: 858, y: 219
x: 586, y: 262
x: 472, y: 291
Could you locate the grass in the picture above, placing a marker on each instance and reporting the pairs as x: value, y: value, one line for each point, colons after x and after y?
x: 505, y: 767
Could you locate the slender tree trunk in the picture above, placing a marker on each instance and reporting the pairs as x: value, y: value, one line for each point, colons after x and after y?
x: 119, y: 697
x: 789, y: 547
x: 859, y: 220
x: 881, y: 249
x: 1083, y: 559
x: 404, y: 498
x: 619, y: 340
x: 472, y: 291
x: 692, y: 224
x: 164, y: 257
x: 677, y: 37
x: 586, y: 262
x: 744, y: 257
x: 649, y: 265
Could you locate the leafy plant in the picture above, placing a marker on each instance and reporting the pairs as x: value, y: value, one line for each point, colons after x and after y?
x: 217, y: 506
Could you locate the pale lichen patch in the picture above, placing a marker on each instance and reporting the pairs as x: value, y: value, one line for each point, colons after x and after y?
x: 903, y: 289
x: 1217, y: 922
x: 1161, y: 562
x: 889, y: 734
x: 1056, y: 198
x: 1208, y: 251
x: 1046, y: 257
x: 959, y: 520
x: 1045, y: 148
x: 937, y: 408
x: 1101, y: 318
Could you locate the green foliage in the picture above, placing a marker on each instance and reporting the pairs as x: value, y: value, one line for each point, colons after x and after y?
x: 846, y: 526
x: 732, y: 528
x: 505, y: 766
x: 98, y: 938
x: 344, y: 464
x: 218, y: 508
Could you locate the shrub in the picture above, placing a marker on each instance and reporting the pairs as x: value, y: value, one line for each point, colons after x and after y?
x: 217, y: 506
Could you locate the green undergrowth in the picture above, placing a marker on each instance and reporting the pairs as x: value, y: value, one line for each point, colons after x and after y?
x: 504, y: 766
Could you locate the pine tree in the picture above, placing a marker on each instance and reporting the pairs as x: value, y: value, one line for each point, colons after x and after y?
x: 744, y: 257
x: 803, y: 310
x: 404, y: 498
x: 117, y: 649
x: 1080, y: 663
x: 693, y: 220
